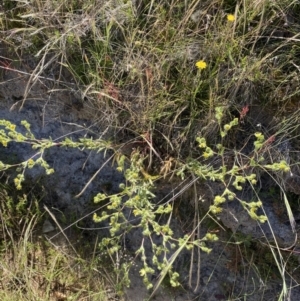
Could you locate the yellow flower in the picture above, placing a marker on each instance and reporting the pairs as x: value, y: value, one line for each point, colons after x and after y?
x: 201, y: 65
x: 12, y: 127
x: 30, y: 163
x: 230, y: 18
x: 219, y: 200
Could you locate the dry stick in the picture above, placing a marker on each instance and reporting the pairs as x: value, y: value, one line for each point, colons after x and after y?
x: 34, y: 77
x: 195, y: 224
x: 93, y: 177
x: 60, y: 228
x: 171, y: 260
x: 152, y: 150
x: 187, y: 186
x: 40, y: 77
x: 27, y: 86
x: 80, y: 219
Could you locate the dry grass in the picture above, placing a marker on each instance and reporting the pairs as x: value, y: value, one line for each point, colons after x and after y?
x: 134, y: 63
x: 35, y: 267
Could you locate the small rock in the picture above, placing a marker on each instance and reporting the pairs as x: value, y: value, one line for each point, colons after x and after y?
x: 47, y: 227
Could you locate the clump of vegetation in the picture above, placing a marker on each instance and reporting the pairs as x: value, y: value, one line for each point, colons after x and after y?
x: 36, y: 267
x: 221, y: 73
x: 136, y: 194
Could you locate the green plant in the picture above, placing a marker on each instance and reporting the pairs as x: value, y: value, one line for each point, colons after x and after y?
x: 136, y: 193
x: 37, y: 267
x: 137, y: 189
